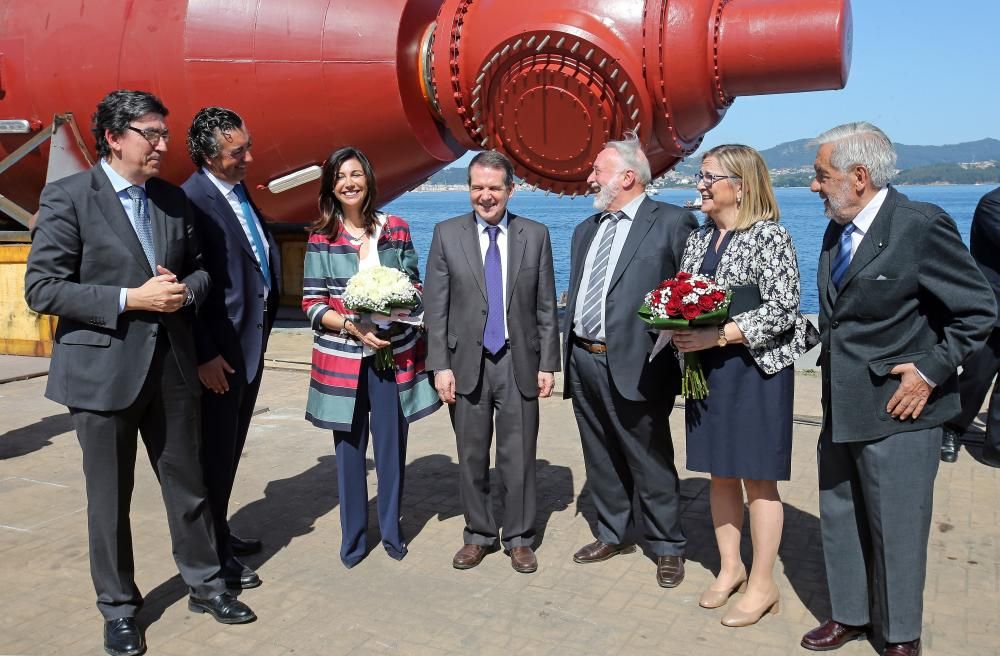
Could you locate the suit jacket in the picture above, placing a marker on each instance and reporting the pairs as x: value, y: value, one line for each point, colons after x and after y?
x: 912, y: 293
x: 652, y: 253
x: 84, y: 250
x: 984, y: 241
x: 232, y: 321
x: 455, y: 305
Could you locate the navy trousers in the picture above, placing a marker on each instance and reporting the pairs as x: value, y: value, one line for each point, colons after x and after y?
x: 376, y: 408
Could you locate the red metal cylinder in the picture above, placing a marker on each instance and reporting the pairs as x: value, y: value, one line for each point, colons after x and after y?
x: 416, y: 82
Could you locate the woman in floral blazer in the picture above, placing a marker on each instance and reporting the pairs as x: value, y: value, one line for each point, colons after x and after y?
x: 741, y: 433
x: 347, y: 393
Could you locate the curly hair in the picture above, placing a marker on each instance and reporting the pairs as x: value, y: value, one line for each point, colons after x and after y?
x: 201, y: 140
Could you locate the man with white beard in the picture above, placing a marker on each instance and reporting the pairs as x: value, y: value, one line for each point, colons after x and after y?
x: 621, y: 398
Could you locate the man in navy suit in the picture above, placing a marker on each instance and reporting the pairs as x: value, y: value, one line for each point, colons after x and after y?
x: 235, y: 320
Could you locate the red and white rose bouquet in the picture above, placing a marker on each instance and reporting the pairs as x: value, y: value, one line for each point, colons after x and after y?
x: 684, y: 301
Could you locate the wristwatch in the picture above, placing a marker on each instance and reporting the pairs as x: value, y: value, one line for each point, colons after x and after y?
x: 722, y: 336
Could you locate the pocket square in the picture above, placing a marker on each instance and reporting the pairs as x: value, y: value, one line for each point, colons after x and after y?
x: 881, y: 277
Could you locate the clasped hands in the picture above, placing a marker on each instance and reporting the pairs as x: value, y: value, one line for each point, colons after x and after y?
x: 161, y: 293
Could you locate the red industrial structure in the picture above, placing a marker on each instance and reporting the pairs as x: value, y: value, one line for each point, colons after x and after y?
x: 413, y: 82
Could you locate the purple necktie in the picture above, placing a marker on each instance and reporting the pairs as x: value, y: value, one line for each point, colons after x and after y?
x: 493, y: 339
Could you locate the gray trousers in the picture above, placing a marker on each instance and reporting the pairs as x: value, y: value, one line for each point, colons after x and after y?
x: 626, y: 449
x: 166, y: 415
x: 496, y: 398
x: 875, y: 501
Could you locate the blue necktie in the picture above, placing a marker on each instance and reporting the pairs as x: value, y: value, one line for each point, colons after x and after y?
x: 258, y: 243
x: 493, y: 339
x: 140, y: 219
x: 843, y: 259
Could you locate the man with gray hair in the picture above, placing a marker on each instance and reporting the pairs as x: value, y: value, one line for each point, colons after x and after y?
x: 622, y: 397
x: 902, y: 304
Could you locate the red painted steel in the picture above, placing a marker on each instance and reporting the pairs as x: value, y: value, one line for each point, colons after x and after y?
x: 416, y: 82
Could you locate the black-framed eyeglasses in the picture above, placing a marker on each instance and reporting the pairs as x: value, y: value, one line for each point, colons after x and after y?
x: 709, y: 179
x: 152, y: 135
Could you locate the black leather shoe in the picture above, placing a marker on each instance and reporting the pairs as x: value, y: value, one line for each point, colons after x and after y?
x: 123, y: 638
x: 225, y: 608
x: 949, y: 446
x: 244, y: 581
x: 244, y: 546
x: 669, y: 571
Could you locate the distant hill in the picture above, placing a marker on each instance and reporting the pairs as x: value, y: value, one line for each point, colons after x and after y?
x: 949, y: 174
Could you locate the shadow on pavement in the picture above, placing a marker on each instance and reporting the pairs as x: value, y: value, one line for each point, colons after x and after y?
x: 28, y: 439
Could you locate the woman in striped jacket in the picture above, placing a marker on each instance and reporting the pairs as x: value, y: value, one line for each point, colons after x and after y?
x: 347, y: 393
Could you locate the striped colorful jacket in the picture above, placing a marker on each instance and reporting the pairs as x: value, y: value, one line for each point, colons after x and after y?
x: 336, y: 360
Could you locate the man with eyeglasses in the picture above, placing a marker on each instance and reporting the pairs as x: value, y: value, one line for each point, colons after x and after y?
x: 235, y: 320
x: 622, y: 393
x: 115, y: 257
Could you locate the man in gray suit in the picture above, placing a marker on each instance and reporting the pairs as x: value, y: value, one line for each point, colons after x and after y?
x: 902, y: 304
x: 493, y: 343
x: 621, y: 398
x: 114, y: 256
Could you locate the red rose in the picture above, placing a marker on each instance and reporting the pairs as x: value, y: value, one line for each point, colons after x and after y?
x: 718, y: 296
x: 690, y: 311
x: 700, y: 284
x: 674, y: 307
x: 684, y: 288
x: 706, y: 303
x: 683, y: 275
x: 667, y: 284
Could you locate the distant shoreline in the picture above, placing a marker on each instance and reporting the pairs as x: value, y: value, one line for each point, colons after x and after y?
x: 431, y: 189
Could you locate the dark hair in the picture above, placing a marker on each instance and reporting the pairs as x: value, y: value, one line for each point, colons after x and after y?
x: 117, y: 110
x: 493, y: 159
x: 331, y: 214
x: 201, y: 141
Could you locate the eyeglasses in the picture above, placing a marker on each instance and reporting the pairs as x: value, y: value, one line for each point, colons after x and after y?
x: 152, y: 135
x: 710, y: 179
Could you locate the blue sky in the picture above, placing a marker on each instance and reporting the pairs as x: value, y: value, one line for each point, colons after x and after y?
x: 925, y: 71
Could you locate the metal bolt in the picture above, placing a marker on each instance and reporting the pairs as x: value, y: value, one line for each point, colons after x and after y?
x: 542, y: 44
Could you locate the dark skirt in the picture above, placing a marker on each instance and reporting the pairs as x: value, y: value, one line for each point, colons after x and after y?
x: 744, y: 428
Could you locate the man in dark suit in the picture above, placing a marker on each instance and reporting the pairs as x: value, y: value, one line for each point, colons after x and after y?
x: 235, y: 320
x: 493, y: 343
x: 902, y: 304
x: 621, y: 398
x: 982, y: 366
x: 114, y: 256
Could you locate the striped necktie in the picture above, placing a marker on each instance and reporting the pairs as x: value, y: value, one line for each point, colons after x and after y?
x: 143, y: 229
x: 843, y: 259
x: 593, y: 302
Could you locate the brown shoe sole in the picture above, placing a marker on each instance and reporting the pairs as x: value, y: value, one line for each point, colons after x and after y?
x: 617, y: 552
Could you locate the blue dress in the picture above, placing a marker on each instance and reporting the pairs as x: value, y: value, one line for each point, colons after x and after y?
x: 743, y: 429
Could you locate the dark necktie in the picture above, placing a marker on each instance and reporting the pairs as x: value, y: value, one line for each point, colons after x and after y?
x: 143, y: 229
x: 258, y: 243
x: 493, y: 339
x: 594, y: 300
x: 843, y: 259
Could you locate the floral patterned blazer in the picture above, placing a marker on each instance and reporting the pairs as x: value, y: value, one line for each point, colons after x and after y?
x: 763, y: 255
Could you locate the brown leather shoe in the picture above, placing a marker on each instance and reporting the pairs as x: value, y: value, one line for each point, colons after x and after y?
x: 911, y: 648
x: 832, y: 635
x: 523, y: 560
x: 469, y: 556
x: 598, y: 551
x: 669, y: 571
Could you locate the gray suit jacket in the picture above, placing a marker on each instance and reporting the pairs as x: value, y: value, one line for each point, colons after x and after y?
x: 984, y: 240
x: 84, y: 250
x: 911, y: 294
x: 652, y: 253
x: 455, y: 304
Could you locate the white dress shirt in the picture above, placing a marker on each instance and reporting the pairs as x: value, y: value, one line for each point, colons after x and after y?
x: 621, y: 234
x: 226, y: 188
x: 484, y: 244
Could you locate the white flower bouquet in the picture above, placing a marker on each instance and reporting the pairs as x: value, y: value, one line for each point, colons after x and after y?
x: 378, y: 291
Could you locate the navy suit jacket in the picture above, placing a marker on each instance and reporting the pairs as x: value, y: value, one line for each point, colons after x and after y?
x: 235, y: 320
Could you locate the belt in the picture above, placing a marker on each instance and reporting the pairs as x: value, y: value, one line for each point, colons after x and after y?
x: 589, y: 345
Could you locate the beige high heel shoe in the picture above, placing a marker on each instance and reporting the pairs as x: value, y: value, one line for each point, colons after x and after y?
x: 735, y: 617
x: 717, y: 598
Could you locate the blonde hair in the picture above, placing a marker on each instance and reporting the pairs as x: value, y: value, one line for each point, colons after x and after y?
x: 758, y: 203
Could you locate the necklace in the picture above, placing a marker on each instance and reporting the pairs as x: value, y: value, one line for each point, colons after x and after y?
x: 356, y: 241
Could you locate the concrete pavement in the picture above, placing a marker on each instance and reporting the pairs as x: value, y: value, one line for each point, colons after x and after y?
x: 309, y: 604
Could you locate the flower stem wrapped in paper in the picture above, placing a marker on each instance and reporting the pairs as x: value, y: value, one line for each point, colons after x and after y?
x: 682, y: 302
x: 387, y: 295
